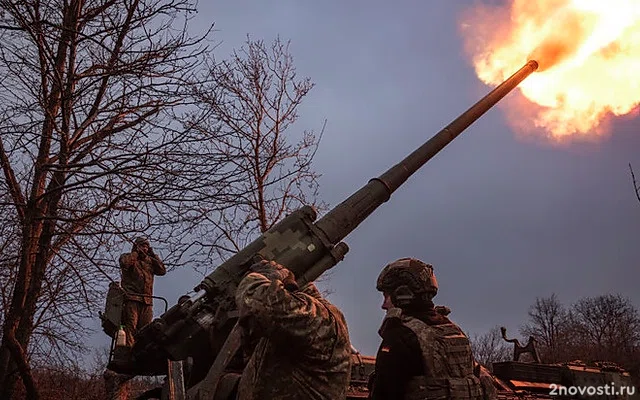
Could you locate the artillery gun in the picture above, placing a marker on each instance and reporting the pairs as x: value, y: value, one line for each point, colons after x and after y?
x: 203, y: 328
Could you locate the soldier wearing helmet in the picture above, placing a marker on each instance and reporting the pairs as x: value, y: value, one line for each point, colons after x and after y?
x: 423, y: 355
x: 138, y: 269
x: 297, y: 342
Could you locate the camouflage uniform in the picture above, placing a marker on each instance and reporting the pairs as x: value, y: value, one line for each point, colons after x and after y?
x: 423, y: 355
x: 137, y: 269
x: 299, y: 342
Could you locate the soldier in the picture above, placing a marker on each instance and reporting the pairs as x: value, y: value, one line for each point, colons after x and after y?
x: 137, y: 269
x: 423, y: 355
x: 299, y: 342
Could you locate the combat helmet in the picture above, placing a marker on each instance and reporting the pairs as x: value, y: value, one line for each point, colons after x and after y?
x: 407, y: 281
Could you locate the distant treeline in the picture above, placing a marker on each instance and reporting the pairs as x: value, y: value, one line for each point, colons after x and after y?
x: 602, y: 328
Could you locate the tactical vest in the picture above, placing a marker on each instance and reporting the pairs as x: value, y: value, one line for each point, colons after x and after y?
x: 448, y: 363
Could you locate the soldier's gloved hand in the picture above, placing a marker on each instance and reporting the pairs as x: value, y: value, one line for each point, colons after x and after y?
x: 272, y: 270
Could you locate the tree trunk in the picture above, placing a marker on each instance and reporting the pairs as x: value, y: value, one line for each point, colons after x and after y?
x: 19, y: 320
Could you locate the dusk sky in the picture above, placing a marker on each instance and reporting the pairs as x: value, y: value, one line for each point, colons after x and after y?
x: 503, y: 218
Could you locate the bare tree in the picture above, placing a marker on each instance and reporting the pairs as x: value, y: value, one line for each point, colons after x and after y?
x: 88, y: 156
x: 606, y: 328
x: 251, y: 103
x: 548, y: 324
x: 489, y: 348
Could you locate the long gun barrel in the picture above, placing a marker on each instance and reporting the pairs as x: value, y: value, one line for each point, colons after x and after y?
x: 198, y: 327
x: 346, y: 216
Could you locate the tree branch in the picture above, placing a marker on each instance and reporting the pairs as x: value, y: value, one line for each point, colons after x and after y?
x: 636, y: 187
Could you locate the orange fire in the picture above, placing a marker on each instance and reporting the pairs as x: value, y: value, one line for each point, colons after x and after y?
x: 588, y: 52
